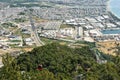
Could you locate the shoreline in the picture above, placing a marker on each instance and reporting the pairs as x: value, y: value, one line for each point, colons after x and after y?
x: 109, y: 9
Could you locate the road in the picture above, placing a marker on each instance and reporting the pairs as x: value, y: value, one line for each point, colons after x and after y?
x: 98, y: 55
x: 34, y: 32
x: 67, y: 40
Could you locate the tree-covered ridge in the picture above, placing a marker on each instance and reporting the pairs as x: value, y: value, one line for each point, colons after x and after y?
x: 59, y: 63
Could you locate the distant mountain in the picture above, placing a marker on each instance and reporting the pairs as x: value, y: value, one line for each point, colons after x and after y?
x: 18, y: 0
x: 66, y: 2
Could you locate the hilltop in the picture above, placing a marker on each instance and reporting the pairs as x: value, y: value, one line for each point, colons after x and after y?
x: 60, y: 62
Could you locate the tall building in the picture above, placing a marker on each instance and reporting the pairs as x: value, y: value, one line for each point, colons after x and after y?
x: 80, y: 32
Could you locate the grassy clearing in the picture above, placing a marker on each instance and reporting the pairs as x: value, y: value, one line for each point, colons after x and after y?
x: 49, y: 41
x: 66, y: 26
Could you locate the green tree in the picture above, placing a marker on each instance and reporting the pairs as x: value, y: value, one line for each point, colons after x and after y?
x: 10, y: 71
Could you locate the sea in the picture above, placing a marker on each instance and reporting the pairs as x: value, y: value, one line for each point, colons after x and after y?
x: 114, y: 6
x: 116, y: 31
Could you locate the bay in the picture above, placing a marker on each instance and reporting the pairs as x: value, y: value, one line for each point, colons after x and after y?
x: 114, y: 6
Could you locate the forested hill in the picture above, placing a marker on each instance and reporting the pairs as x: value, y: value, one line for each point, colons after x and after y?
x: 58, y: 62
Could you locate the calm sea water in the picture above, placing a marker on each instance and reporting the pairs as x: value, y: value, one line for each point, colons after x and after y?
x: 117, y: 31
x: 115, y: 7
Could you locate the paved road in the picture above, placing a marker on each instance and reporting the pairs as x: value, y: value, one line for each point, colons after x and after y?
x: 98, y: 55
x: 34, y: 32
x: 68, y: 40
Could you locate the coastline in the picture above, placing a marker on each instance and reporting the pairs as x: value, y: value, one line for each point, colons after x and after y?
x: 109, y: 9
x: 113, y: 16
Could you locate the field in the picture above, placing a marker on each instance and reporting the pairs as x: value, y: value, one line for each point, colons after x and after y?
x: 108, y: 47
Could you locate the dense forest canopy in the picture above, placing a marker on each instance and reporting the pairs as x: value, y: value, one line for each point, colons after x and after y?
x: 59, y: 63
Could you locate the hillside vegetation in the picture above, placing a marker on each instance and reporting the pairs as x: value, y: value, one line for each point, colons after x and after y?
x: 59, y: 63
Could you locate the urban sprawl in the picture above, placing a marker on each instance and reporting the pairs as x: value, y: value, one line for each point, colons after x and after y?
x: 62, y: 20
